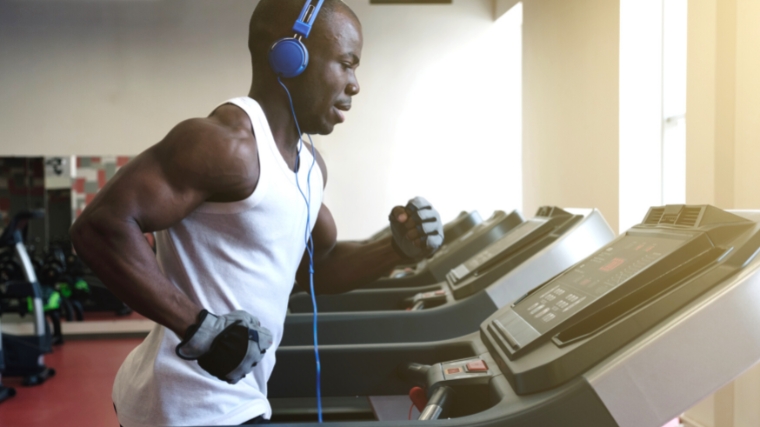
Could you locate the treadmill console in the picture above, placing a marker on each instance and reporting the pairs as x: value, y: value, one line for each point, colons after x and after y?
x: 460, y: 225
x: 517, y: 245
x: 488, y: 223
x: 476, y: 238
x: 588, y: 311
x: 487, y: 254
x: 581, y: 286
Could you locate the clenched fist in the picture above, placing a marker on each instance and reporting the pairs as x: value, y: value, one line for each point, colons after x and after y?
x: 417, y: 229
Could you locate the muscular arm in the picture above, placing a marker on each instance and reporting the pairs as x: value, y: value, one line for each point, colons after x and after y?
x: 342, y: 266
x: 199, y: 160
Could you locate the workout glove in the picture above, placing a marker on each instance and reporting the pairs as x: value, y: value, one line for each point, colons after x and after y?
x: 227, y: 347
x: 429, y: 230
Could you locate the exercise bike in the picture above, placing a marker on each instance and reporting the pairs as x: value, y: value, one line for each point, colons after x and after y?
x: 23, y: 354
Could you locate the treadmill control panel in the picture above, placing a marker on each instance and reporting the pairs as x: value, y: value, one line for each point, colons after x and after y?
x: 461, y: 369
x: 604, y: 271
x: 561, y: 298
x: 514, y: 236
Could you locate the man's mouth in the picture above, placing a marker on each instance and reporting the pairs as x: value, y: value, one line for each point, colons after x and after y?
x: 340, y: 109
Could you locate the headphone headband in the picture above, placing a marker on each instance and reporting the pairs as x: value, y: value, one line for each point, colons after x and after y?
x: 302, y: 27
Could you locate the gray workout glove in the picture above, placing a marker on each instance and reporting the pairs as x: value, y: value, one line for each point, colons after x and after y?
x: 428, y: 226
x: 227, y: 347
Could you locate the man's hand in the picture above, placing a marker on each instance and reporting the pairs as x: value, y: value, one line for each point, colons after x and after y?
x: 417, y: 229
x: 227, y: 347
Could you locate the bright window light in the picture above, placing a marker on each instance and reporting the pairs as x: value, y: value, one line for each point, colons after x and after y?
x: 652, y: 106
x: 674, y: 102
x: 464, y: 115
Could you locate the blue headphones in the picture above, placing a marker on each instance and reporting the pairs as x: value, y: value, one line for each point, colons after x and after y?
x: 289, y: 57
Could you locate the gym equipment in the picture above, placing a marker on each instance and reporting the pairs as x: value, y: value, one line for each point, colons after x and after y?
x: 452, y: 230
x: 434, y: 269
x: 23, y: 354
x: 5, y: 392
x: 85, y: 291
x: 523, y: 258
x: 5, y: 274
x: 71, y: 289
x: 631, y: 336
x: 56, y: 292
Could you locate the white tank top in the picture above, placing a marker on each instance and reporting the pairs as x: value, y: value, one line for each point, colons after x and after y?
x: 225, y: 257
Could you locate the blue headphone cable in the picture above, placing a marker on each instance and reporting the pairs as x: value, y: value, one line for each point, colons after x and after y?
x: 308, y: 238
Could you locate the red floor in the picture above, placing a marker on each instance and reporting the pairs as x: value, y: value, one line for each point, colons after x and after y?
x: 79, y: 395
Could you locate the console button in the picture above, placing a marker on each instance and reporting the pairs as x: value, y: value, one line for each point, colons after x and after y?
x: 452, y: 371
x: 477, y: 366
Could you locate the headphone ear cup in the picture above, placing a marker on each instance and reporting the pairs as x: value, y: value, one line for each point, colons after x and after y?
x: 288, y: 57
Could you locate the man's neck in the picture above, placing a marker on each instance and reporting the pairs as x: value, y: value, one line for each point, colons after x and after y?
x: 280, y: 119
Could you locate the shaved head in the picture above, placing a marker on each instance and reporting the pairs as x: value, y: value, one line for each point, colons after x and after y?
x: 274, y: 19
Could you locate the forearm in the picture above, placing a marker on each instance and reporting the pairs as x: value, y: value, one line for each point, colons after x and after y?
x: 118, y: 253
x: 350, y: 265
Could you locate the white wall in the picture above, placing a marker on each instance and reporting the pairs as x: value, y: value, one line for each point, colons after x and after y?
x: 723, y: 98
x: 113, y: 77
x: 723, y: 151
x: 747, y: 130
x: 438, y: 114
x: 570, y: 104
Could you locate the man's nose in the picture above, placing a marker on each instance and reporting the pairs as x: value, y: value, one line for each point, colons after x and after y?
x: 352, y: 88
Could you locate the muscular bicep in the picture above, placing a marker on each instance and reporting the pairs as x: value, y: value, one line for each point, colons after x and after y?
x: 325, y: 233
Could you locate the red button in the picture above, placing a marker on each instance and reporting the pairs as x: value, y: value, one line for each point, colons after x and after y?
x: 453, y: 370
x: 441, y: 292
x: 477, y: 366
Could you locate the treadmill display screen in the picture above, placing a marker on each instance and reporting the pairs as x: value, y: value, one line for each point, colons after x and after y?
x: 604, y: 271
x: 496, y: 248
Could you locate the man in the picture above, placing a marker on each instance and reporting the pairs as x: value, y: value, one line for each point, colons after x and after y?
x: 226, y: 196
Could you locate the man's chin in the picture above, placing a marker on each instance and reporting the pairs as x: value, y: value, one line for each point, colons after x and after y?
x: 325, y: 129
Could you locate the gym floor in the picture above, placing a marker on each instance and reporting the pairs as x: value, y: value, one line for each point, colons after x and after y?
x: 80, y: 392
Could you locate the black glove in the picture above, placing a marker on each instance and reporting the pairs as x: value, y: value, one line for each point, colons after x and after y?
x: 424, y: 224
x: 227, y: 347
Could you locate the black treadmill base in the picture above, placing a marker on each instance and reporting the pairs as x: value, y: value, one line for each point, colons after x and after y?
x: 6, y: 393
x: 32, y: 379
x: 39, y: 378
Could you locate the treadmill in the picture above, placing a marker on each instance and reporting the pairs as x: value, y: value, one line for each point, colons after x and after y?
x: 452, y: 231
x: 526, y: 256
x: 434, y: 269
x: 631, y: 336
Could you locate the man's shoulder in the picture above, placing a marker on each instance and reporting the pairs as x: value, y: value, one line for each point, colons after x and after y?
x: 220, y: 148
x: 226, y: 128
